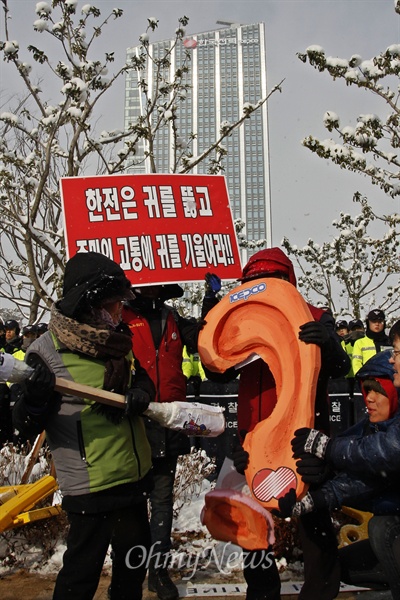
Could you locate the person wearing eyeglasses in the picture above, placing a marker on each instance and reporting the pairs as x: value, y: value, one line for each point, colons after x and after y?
x: 395, y: 354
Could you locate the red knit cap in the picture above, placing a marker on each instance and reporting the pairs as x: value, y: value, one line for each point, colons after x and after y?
x: 269, y: 260
x: 388, y: 390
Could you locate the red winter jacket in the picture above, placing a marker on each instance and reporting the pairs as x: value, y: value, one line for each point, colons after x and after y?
x: 163, y: 364
x: 257, y: 391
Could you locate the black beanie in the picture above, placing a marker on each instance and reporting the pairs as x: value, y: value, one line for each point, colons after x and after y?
x: 91, y: 278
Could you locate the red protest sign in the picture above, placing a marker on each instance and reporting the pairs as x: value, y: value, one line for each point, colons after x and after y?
x: 158, y: 228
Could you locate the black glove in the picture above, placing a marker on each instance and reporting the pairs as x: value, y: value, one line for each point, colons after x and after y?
x: 314, y: 332
x: 286, y: 504
x: 310, y: 441
x: 312, y: 470
x: 136, y: 402
x: 213, y: 285
x: 201, y: 323
x: 39, y: 386
x: 289, y: 507
x: 240, y: 459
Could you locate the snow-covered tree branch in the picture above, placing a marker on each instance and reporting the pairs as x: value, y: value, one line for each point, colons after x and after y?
x: 355, y: 271
x: 52, y: 130
x: 370, y: 147
x: 365, y: 266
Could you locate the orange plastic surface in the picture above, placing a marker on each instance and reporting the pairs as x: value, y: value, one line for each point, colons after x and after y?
x: 263, y: 318
x: 230, y: 516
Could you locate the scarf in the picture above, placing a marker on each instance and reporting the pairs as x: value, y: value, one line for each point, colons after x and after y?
x: 100, y: 341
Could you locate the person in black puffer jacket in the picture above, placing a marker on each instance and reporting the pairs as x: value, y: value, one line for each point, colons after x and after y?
x: 375, y: 340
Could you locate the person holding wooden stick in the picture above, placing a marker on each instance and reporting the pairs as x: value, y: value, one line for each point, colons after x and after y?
x: 101, y: 453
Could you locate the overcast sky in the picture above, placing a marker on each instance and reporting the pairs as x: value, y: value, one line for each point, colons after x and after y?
x: 307, y: 192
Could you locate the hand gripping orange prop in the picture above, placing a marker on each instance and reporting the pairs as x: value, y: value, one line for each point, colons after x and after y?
x: 263, y: 318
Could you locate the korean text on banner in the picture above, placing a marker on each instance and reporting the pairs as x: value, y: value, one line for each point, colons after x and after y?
x: 158, y: 228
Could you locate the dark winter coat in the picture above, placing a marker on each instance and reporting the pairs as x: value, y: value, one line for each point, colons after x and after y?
x: 375, y: 455
x: 368, y: 456
x: 377, y: 492
x: 13, y: 347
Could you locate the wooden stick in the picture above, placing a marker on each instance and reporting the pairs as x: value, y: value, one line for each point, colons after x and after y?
x: 65, y: 386
x: 33, y: 457
x: 155, y: 411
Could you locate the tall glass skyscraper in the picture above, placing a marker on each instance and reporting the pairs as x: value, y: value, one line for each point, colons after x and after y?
x: 226, y: 71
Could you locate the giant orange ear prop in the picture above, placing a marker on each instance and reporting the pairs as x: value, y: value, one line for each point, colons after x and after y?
x: 230, y: 516
x: 263, y: 318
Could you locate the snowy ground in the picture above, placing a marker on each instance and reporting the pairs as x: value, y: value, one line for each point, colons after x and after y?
x: 197, y: 557
x: 201, y: 565
x: 206, y: 557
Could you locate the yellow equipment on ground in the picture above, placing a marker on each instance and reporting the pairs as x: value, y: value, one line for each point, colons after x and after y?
x: 17, y: 502
x: 354, y: 533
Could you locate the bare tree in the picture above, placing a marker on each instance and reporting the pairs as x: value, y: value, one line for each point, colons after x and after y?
x: 355, y: 271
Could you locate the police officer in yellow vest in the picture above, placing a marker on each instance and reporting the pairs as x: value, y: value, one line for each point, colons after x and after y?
x: 13, y: 343
x: 191, y: 365
x: 375, y: 340
x: 13, y: 346
x: 356, y: 332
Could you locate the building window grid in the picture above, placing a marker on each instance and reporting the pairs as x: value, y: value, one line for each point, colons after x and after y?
x: 254, y: 133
